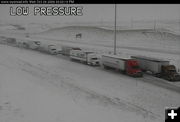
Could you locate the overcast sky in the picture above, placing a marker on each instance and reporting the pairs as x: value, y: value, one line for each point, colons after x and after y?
x: 100, y: 12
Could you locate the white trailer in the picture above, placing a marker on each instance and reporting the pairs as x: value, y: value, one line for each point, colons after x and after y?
x: 87, y: 57
x: 66, y: 49
x: 33, y: 44
x: 52, y: 49
x: 22, y: 43
x: 43, y: 47
x: 126, y: 65
x: 113, y: 61
x: 150, y: 64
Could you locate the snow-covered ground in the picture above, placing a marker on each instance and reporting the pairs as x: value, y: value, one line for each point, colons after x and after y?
x: 40, y: 87
x: 32, y: 91
x: 37, y: 87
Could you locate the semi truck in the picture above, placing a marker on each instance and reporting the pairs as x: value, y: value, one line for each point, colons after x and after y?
x: 22, y: 43
x: 66, y: 49
x: 8, y: 41
x: 87, y: 57
x: 47, y: 48
x: 125, y: 65
x: 33, y: 44
x: 52, y: 49
x: 28, y: 43
x: 158, y: 67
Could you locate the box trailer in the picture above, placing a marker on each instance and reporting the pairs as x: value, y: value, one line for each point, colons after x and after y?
x: 33, y: 44
x: 66, y: 49
x: 49, y: 48
x: 126, y: 65
x: 150, y: 64
x: 88, y: 57
x: 8, y: 41
x: 158, y: 67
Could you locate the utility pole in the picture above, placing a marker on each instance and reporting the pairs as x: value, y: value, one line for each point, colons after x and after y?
x: 115, y: 32
x: 179, y: 24
x: 131, y: 23
x: 154, y: 24
x: 101, y: 22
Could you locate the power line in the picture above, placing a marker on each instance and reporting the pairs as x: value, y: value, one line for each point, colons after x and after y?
x: 115, y: 32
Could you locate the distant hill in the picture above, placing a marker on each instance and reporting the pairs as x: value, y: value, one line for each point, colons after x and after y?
x: 133, y: 38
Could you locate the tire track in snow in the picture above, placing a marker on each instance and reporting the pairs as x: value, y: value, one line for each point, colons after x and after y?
x: 77, y: 92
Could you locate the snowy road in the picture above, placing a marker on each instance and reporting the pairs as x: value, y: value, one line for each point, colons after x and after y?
x: 40, y: 84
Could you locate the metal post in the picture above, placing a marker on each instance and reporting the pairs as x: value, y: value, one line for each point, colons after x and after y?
x: 115, y: 32
x: 131, y: 23
x: 154, y: 24
x: 179, y: 24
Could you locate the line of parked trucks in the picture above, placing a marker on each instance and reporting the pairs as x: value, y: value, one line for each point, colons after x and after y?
x: 133, y: 66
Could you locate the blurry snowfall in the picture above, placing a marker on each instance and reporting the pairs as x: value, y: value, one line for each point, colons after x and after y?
x: 35, y: 87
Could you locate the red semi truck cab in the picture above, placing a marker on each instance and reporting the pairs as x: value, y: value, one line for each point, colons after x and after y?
x: 133, y: 69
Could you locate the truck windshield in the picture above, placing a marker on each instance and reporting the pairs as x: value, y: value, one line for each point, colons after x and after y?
x: 136, y: 67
